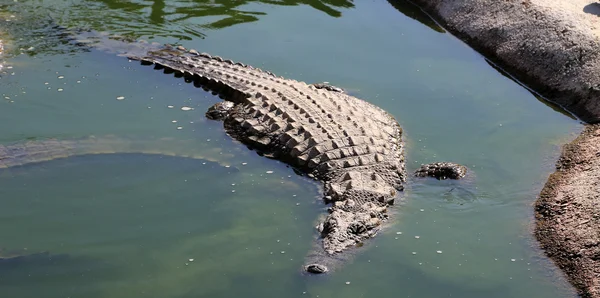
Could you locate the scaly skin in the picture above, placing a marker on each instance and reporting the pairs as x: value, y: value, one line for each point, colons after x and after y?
x: 354, y: 147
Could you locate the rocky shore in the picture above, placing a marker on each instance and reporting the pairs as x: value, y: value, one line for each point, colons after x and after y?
x: 553, y: 47
x: 568, y: 213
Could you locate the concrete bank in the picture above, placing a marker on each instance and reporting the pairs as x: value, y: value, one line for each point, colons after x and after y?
x: 552, y: 46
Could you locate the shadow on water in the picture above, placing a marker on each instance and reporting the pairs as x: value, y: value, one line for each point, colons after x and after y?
x: 592, y: 8
x: 414, y: 12
x: 553, y: 106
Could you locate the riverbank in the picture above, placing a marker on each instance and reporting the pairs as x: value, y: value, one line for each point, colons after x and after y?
x: 553, y: 47
x: 568, y: 219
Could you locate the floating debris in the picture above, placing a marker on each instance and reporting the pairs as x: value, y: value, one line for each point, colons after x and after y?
x: 269, y: 172
x: 191, y: 260
x: 120, y: 97
x: 60, y: 89
x: 347, y: 282
x: 61, y: 77
x: 170, y: 107
x: 417, y: 237
x: 439, y: 251
x: 186, y: 108
x: 398, y: 233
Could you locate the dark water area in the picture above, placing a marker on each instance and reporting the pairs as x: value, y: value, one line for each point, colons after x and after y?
x: 171, y: 206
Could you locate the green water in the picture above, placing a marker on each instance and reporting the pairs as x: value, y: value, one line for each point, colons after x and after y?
x: 127, y: 225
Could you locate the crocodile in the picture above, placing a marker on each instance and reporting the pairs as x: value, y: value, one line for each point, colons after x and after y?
x: 12, y: 256
x: 353, y: 147
x: 41, y: 150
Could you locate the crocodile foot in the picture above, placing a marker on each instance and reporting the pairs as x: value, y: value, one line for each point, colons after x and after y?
x: 219, y: 110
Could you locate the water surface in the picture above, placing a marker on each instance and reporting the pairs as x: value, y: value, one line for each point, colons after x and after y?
x: 237, y: 224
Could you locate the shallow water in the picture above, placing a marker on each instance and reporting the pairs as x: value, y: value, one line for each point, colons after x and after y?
x: 129, y: 225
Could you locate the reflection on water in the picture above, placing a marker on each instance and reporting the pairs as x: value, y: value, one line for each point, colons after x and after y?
x: 414, y: 12
x: 158, y: 18
x: 41, y: 36
x: 537, y: 96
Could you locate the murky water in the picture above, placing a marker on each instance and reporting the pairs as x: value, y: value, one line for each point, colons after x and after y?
x: 235, y: 224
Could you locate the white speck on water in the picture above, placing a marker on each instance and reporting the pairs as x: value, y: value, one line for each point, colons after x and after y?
x: 512, y: 260
x: 422, y: 210
x: 61, y: 77
x: 439, y: 251
x: 269, y: 172
x: 244, y: 163
x: 417, y: 237
x: 120, y: 97
x: 60, y: 89
x: 174, y: 121
x: 233, y: 190
x: 179, y: 127
x: 78, y: 82
x: 170, y: 107
x: 46, y: 83
x: 186, y: 108
x: 414, y: 252
x: 283, y: 251
x: 347, y: 282
x: 398, y: 233
x: 191, y: 260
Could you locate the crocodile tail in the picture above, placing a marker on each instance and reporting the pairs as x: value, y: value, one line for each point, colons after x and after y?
x: 35, y: 151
